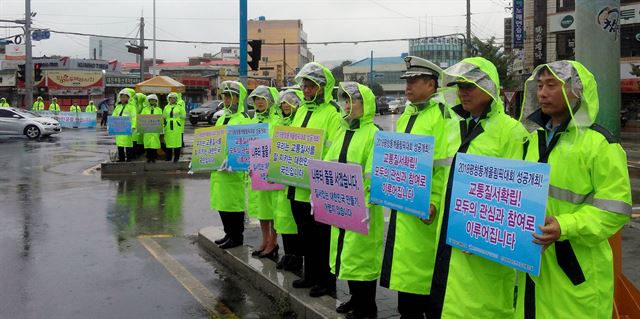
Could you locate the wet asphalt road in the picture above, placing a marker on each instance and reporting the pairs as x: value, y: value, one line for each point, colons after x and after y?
x: 69, y: 243
x: 70, y: 247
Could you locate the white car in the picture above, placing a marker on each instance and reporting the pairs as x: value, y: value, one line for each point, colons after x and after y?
x: 15, y: 121
x: 397, y: 106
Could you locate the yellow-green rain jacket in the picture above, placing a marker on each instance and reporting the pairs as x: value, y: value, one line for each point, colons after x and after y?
x: 589, y: 195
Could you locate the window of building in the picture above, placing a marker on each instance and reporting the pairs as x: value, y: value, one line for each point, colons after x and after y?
x: 565, y: 5
x: 630, y: 40
x: 566, y: 45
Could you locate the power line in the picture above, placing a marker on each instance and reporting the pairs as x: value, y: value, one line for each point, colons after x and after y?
x: 265, y: 43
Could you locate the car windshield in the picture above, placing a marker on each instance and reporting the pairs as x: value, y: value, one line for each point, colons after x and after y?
x: 26, y: 113
x: 210, y: 105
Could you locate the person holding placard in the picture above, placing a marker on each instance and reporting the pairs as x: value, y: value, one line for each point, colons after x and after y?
x: 465, y: 285
x: 318, y: 110
x: 283, y: 221
x: 355, y: 257
x: 174, y: 115
x: 589, y: 195
x: 261, y: 202
x: 124, y: 107
x: 151, y: 140
x: 409, y: 254
x: 228, y: 187
x: 139, y: 101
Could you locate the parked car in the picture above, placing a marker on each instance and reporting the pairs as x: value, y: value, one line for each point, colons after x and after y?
x: 382, y: 105
x: 205, y: 113
x: 397, y: 106
x: 15, y: 121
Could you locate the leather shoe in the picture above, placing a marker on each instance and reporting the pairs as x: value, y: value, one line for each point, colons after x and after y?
x: 230, y: 244
x: 221, y: 240
x: 360, y: 315
x: 345, y: 307
x: 302, y: 283
x: 319, y: 291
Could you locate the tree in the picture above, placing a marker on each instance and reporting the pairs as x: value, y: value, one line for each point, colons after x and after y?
x: 338, y: 71
x: 494, y: 52
x: 377, y: 89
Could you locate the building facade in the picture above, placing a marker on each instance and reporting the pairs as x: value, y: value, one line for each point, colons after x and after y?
x: 550, y: 29
x: 284, y: 49
x: 386, y: 72
x: 443, y: 51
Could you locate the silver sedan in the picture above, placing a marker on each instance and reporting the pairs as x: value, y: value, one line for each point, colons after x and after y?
x: 15, y: 121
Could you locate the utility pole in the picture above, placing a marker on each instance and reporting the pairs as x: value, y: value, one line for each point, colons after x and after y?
x: 243, y: 42
x: 370, y: 69
x: 284, y: 62
x: 468, y: 28
x: 154, y: 38
x: 28, y: 63
x: 603, y: 59
x: 142, y: 50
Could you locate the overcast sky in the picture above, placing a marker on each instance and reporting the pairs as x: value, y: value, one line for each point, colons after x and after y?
x: 217, y: 20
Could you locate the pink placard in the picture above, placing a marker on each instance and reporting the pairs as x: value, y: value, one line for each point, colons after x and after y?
x: 337, y: 195
x: 260, y: 151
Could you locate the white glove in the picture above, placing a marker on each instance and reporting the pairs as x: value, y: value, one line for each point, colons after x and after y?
x: 224, y: 167
x: 311, y: 202
x: 366, y: 216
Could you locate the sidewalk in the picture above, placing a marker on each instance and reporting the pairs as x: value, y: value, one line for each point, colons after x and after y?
x: 277, y: 283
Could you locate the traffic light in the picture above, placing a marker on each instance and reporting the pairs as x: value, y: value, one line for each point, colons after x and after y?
x: 256, y: 50
x: 37, y: 72
x: 21, y: 72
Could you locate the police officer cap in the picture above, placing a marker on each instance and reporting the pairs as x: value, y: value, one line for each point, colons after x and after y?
x: 417, y: 66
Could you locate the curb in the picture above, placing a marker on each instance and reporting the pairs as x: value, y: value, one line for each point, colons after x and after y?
x: 262, y: 274
x: 127, y: 168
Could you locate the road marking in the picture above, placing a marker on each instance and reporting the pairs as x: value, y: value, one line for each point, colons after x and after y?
x: 216, y: 308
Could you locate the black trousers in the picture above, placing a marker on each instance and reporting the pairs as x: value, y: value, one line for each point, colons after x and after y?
x: 291, y: 244
x: 233, y: 225
x: 363, y: 296
x: 125, y: 153
x: 103, y: 121
x: 412, y: 306
x: 315, y: 241
x: 152, y: 154
x: 173, y: 153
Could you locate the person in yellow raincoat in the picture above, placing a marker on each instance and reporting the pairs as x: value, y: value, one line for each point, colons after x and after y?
x: 174, y: 118
x: 589, y: 196
x: 151, y: 140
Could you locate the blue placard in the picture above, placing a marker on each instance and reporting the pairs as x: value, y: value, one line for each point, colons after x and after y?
x: 238, y: 137
x: 401, y: 172
x: 496, y: 205
x: 119, y: 125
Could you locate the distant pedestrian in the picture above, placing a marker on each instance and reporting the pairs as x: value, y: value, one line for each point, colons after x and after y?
x: 104, y: 108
